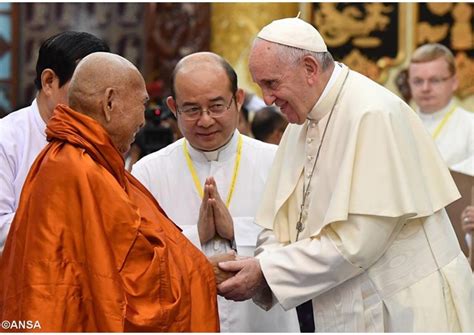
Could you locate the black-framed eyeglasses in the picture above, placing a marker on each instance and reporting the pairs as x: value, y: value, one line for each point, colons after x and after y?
x: 215, y: 110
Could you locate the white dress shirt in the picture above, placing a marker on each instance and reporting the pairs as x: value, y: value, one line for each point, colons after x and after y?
x: 166, y: 175
x: 455, y: 140
x: 22, y: 137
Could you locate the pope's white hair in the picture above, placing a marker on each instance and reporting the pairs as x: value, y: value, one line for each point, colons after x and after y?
x: 293, y: 55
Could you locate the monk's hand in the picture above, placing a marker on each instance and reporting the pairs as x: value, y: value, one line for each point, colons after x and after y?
x: 222, y: 218
x: 220, y: 274
x: 467, y: 218
x: 206, y: 226
x: 245, y: 283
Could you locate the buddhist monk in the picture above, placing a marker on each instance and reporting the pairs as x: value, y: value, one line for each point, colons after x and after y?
x: 90, y: 249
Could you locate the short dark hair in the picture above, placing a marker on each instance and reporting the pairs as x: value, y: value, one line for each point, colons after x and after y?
x: 63, y: 51
x: 229, y: 70
x: 265, y: 121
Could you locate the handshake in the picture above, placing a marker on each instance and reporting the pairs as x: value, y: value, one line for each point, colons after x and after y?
x: 240, y: 278
x: 222, y: 275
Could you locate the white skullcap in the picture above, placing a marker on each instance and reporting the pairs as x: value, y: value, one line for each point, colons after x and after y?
x: 293, y: 32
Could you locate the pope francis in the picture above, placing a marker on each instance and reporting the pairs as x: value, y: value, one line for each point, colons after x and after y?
x: 353, y: 208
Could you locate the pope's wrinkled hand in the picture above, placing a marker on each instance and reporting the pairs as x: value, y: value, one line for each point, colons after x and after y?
x: 245, y: 283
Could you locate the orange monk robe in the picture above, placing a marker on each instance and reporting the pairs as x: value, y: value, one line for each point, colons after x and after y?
x: 91, y: 250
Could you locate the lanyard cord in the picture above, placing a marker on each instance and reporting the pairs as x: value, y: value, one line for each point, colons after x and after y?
x: 442, y: 123
x: 195, y: 177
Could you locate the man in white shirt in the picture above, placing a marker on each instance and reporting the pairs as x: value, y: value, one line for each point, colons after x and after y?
x: 210, y: 182
x: 353, y: 208
x: 22, y: 133
x: 433, y: 81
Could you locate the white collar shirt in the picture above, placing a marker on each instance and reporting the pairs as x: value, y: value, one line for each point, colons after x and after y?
x: 22, y: 137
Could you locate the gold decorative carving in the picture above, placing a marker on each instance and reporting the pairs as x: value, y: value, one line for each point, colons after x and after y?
x: 358, y: 62
x: 431, y: 34
x: 234, y: 27
x: 461, y: 32
x: 370, y: 36
x: 439, y: 8
x: 337, y: 27
x: 465, y: 74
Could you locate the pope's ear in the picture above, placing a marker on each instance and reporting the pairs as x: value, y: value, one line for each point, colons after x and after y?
x: 109, y: 103
x: 171, y: 103
x: 311, y: 67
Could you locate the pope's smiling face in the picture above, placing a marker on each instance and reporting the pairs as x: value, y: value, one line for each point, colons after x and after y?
x: 283, y: 84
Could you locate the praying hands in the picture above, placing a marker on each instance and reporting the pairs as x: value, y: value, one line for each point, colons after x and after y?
x: 214, y: 216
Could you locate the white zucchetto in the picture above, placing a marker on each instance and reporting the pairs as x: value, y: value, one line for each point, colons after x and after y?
x: 294, y: 32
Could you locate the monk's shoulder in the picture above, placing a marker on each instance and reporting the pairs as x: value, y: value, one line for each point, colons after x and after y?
x: 67, y: 163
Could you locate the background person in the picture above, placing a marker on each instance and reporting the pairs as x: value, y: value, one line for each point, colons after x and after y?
x: 433, y: 81
x: 268, y: 125
x: 22, y: 133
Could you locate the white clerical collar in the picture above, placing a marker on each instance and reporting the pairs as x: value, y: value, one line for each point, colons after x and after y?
x: 334, y: 75
x: 223, y: 153
x: 438, y: 115
x: 332, y: 80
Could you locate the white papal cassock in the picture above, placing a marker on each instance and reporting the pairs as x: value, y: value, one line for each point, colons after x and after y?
x: 165, y: 173
x: 377, y: 252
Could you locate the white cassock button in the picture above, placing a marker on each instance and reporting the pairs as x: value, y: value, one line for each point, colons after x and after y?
x: 309, y: 140
x: 310, y: 157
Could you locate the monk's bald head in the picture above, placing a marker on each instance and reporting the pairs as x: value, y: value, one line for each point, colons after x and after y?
x: 94, y: 74
x: 111, y: 90
x: 208, y: 61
